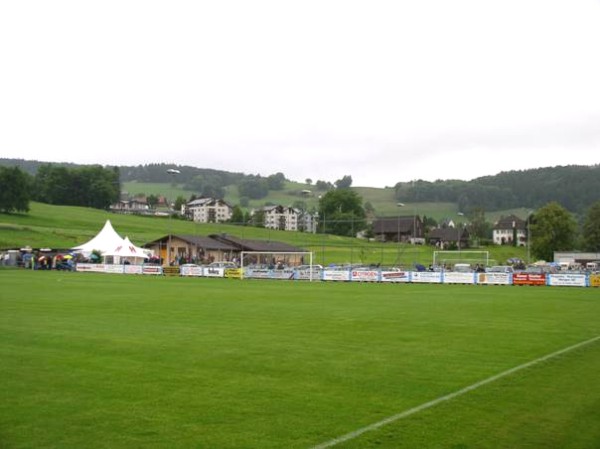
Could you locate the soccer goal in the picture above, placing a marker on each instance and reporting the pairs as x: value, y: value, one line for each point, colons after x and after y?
x: 451, y: 258
x: 276, y: 264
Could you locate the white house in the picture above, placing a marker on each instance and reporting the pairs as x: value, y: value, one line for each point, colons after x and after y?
x: 509, y: 228
x: 287, y: 218
x: 133, y: 205
x: 207, y: 210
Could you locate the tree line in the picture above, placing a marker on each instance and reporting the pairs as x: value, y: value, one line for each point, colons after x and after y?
x: 205, y: 182
x: 88, y: 186
x: 575, y: 187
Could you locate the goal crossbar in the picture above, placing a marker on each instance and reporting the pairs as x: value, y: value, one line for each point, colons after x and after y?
x: 442, y: 257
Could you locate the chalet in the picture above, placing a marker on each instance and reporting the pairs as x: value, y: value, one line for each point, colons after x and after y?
x: 399, y: 229
x: 507, y: 229
x: 213, y: 248
x: 264, y: 246
x: 192, y: 248
x: 207, y: 210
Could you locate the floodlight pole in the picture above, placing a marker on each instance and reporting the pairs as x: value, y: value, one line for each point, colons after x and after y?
x: 460, y: 214
x: 171, y: 172
x: 529, y: 237
x: 398, y: 233
x: 414, y: 237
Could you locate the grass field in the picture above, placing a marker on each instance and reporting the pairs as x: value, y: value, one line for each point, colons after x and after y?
x: 107, y: 361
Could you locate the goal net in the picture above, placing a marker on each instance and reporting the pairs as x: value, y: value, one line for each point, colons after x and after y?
x: 276, y: 264
x: 451, y: 258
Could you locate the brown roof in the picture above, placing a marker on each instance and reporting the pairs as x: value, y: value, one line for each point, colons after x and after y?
x: 448, y: 234
x: 199, y: 241
x: 512, y: 221
x: 225, y: 242
x: 390, y: 225
x: 255, y: 245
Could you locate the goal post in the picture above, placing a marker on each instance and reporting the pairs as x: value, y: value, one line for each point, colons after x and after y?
x: 277, y: 260
x: 441, y: 258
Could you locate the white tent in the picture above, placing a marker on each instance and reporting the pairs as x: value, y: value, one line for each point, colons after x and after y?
x: 147, y: 252
x: 127, y: 252
x: 106, y: 240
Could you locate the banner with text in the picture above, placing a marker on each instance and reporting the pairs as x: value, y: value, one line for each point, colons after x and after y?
x: 494, y: 278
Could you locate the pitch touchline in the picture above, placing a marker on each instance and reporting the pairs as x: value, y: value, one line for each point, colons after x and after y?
x: 404, y: 414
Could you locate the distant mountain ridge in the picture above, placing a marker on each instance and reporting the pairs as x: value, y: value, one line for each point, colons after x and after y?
x: 575, y: 187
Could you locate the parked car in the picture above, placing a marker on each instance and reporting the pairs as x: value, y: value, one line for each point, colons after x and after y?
x: 222, y: 265
x: 307, y: 267
x: 500, y: 269
x: 541, y: 269
x: 463, y: 268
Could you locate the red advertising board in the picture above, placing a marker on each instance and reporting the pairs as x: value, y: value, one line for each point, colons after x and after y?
x: 529, y: 279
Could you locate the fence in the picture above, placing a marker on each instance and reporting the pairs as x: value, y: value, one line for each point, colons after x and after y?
x: 356, y: 275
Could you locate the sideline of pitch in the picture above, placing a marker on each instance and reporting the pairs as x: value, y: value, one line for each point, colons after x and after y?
x: 426, y: 405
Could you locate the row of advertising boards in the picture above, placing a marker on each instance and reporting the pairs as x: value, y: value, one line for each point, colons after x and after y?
x: 362, y: 275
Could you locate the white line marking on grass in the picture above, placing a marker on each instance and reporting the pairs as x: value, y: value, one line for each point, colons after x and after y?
x: 412, y: 411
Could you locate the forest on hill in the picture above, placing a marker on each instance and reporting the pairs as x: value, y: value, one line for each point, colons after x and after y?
x: 575, y: 187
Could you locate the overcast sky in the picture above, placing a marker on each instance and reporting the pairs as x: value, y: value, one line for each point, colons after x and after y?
x: 384, y: 91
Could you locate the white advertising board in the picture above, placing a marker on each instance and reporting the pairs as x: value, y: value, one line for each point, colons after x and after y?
x: 568, y: 280
x: 494, y: 278
x: 282, y: 274
x: 191, y: 271
x: 304, y: 275
x: 132, y: 269
x: 431, y: 277
x: 336, y: 275
x: 152, y: 269
x: 113, y: 269
x: 258, y: 273
x: 212, y: 272
x: 459, y: 278
x: 395, y: 276
x: 91, y: 267
x: 364, y: 275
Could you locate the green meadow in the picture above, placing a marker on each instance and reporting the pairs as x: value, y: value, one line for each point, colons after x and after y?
x: 108, y: 361
x: 383, y: 200
x: 48, y: 226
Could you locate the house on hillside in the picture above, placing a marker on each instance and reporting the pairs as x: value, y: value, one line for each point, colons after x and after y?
x: 399, y: 229
x: 447, y: 223
x: 285, y: 218
x: 447, y: 237
x: 509, y: 228
x: 207, y: 210
x: 131, y: 206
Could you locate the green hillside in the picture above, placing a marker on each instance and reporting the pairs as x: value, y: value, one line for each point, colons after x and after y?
x: 67, y: 226
x: 574, y: 187
x: 382, y: 200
